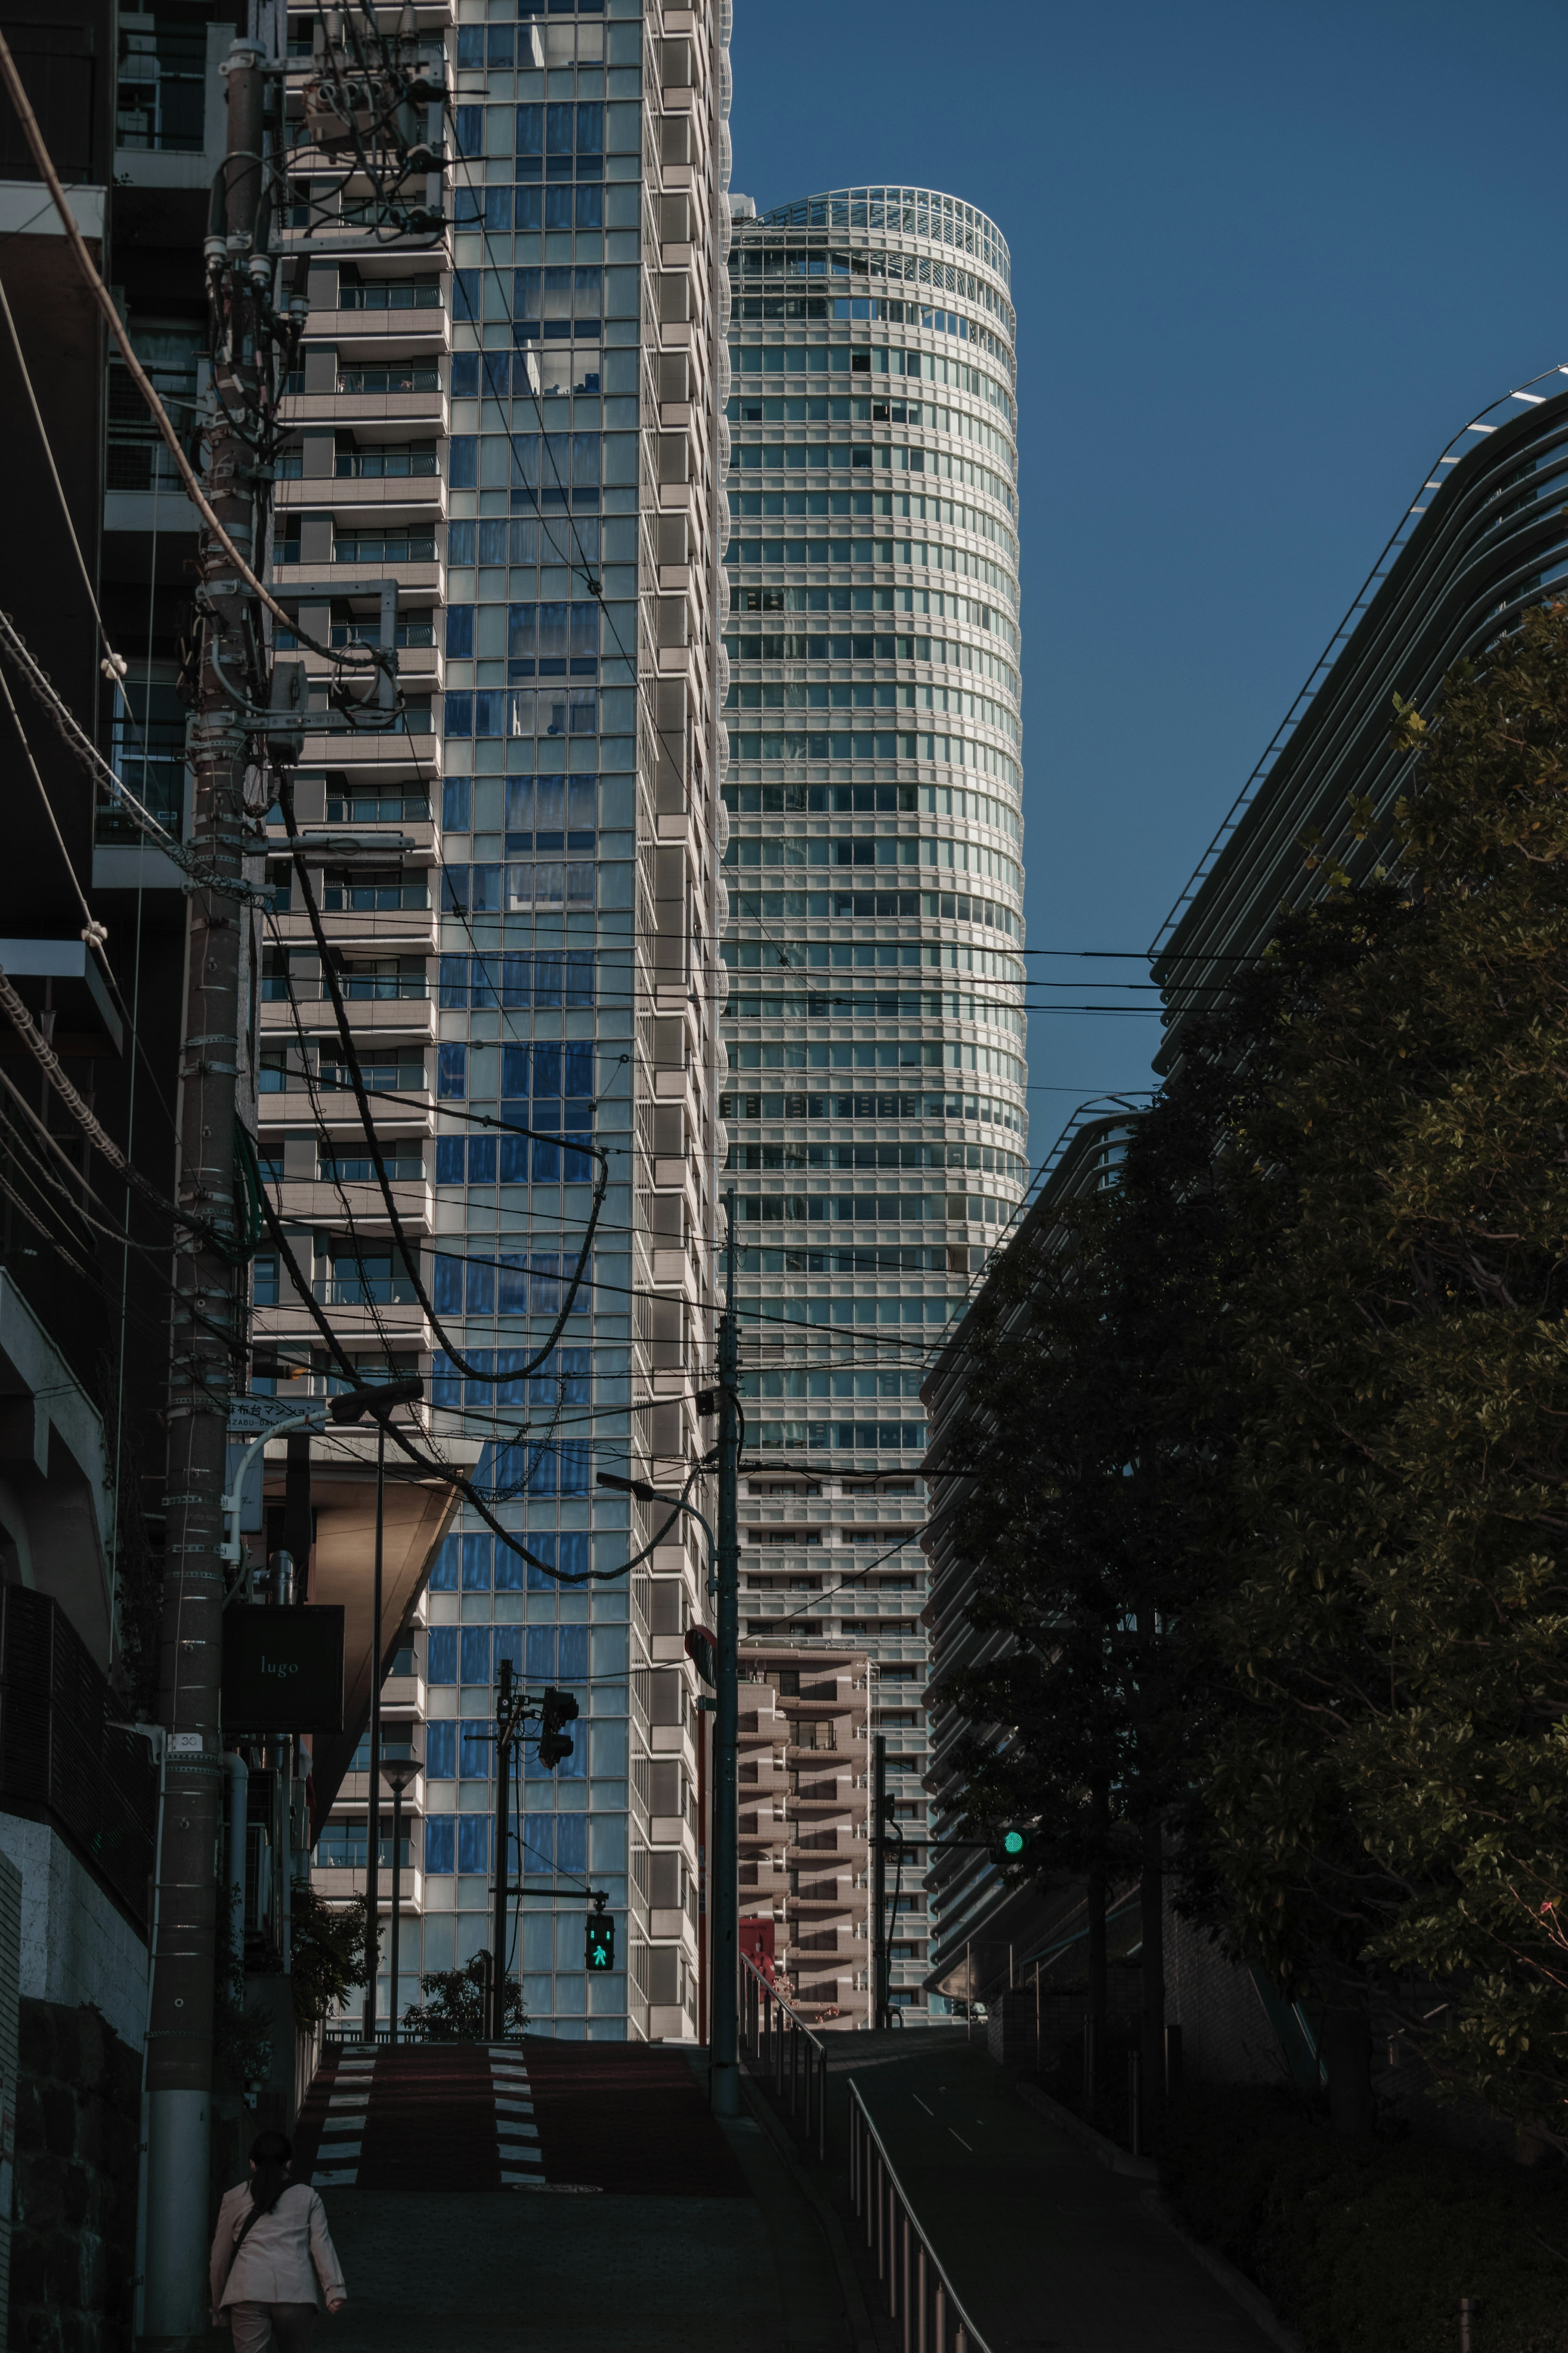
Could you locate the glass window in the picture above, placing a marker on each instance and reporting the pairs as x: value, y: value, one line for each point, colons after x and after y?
x: 444, y: 1567
x: 441, y: 1752
x: 476, y: 1654
x: 441, y: 1655
x: 439, y: 1843
x: 476, y: 1579
x: 473, y: 1843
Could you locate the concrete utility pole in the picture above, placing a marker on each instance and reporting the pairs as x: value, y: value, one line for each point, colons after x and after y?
x: 725, y: 1885
x: 506, y: 1722
x: 880, y: 1879
x: 210, y: 1293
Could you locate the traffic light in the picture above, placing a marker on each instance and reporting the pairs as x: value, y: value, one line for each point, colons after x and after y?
x: 556, y: 1708
x: 599, y: 1944
x: 1015, y: 1842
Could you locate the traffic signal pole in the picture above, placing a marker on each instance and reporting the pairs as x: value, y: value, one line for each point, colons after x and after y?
x: 505, y: 1723
x: 209, y: 1302
x: 725, y: 1898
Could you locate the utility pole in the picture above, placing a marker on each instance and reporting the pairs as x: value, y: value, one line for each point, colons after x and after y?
x: 209, y: 1302
x: 880, y: 1879
x: 725, y: 1903
x: 505, y: 1720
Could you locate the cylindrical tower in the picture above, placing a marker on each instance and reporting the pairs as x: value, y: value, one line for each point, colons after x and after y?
x: 875, y: 1100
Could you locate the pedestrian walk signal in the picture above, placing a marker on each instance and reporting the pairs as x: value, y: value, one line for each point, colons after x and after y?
x: 599, y: 1952
x: 1013, y: 1842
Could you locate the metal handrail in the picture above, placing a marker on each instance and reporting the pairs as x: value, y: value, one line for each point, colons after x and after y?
x: 782, y: 2044
x: 919, y: 2291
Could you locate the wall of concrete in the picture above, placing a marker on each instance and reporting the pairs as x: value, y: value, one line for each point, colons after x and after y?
x: 75, y: 1945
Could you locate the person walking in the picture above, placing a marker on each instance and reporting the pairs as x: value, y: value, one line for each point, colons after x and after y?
x: 271, y: 2247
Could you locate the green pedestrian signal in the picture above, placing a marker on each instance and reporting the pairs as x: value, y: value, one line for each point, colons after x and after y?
x: 1014, y: 1841
x: 599, y: 1951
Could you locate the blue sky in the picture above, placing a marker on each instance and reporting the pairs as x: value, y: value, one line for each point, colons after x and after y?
x: 1267, y: 258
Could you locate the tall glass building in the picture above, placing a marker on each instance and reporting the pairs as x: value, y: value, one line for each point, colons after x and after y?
x: 875, y: 1098
x: 516, y: 420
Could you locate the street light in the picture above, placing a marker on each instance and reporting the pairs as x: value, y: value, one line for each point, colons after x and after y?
x: 397, y: 1777
x: 379, y: 1402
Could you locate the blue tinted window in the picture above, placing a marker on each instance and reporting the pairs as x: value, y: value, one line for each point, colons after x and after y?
x: 575, y: 1555
x: 447, y: 1284
x: 468, y: 130
x: 476, y: 1654
x: 454, y: 816
x: 591, y: 129
x: 572, y: 1655
x: 444, y: 1567
x: 514, y: 1069
x: 449, y: 1160
x: 441, y: 1655
x: 476, y: 1579
x: 452, y: 1072
x: 539, y: 1842
x: 465, y: 365
x: 460, y: 632
x: 459, y: 721
x: 441, y: 1751
x: 510, y: 1565
x: 463, y: 463
x: 571, y: 1843
x: 481, y: 1160
x: 438, y: 1828
x: 473, y: 1843
x: 541, y: 1654
x: 474, y: 1752
x: 530, y: 130
x: 509, y: 1645
x: 544, y: 1548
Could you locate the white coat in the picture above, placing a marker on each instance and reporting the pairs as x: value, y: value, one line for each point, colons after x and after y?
x: 284, y: 2252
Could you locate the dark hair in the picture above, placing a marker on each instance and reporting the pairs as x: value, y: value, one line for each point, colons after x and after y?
x: 269, y: 2153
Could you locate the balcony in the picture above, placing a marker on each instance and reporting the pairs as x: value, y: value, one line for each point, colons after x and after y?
x: 392, y: 931
x: 377, y: 336
x: 422, y: 579
x: 412, y: 1017
x: 316, y: 1201
x: 339, y: 1884
x: 355, y: 1791
x: 382, y: 498
x: 421, y: 408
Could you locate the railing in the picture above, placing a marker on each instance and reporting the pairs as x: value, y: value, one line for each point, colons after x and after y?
x: 789, y: 2054
x: 919, y: 2291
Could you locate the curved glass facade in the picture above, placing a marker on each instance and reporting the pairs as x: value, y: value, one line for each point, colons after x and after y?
x: 874, y: 1100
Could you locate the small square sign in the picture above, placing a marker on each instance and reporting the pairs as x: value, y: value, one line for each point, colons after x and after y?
x: 283, y: 1669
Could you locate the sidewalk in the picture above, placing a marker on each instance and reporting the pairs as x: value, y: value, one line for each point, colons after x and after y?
x: 1046, y: 2247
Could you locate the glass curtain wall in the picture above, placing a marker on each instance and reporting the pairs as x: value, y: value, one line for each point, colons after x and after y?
x: 875, y: 1100
x: 536, y: 788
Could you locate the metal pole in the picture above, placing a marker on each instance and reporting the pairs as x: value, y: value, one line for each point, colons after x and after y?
x: 373, y: 1824
x: 880, y: 1955
x: 968, y: 1989
x: 208, y: 1316
x: 1468, y: 2308
x: 397, y: 1902
x: 726, y: 2076
x: 497, y: 2021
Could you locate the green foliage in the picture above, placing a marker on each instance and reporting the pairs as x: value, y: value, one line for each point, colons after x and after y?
x: 1367, y: 2247
x: 1386, y: 1593
x: 453, y: 2010
x: 1272, y: 1480
x: 328, y: 1946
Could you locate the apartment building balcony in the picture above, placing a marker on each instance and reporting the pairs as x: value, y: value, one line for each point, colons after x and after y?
x: 355, y: 1790
x: 844, y: 1756
x: 389, y: 931
x: 339, y: 1884
x: 763, y: 1829
x: 316, y: 1201
x: 422, y: 668
x: 851, y: 1847
x: 382, y: 755
x: 419, y: 411
x: 385, y: 499
x: 421, y: 580
x: 412, y: 1017
x: 384, y: 334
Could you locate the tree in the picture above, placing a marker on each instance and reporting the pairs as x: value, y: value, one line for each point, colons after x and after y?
x: 1088, y: 1437
x: 1384, y: 1601
x: 453, y: 2010
x: 327, y: 1943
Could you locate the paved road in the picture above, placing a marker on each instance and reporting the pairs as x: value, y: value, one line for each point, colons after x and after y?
x: 649, y: 2226
x: 1050, y: 2252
